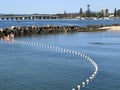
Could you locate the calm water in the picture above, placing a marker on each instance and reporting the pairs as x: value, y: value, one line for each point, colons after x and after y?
x: 25, y: 67
x: 10, y: 23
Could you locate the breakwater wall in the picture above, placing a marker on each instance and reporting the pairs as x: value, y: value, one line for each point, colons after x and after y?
x: 47, y: 29
x: 63, y: 50
x: 28, y: 30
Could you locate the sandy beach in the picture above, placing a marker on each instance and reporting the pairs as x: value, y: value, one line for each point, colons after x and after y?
x: 111, y: 28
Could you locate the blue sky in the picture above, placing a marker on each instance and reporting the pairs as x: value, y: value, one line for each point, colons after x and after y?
x: 54, y: 6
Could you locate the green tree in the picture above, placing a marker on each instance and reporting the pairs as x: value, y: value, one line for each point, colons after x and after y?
x: 100, y: 15
x: 65, y: 14
x: 115, y: 13
x: 81, y: 12
x: 107, y: 12
x: 118, y: 13
x: 93, y: 14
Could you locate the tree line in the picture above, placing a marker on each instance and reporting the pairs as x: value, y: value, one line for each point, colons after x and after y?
x: 100, y: 14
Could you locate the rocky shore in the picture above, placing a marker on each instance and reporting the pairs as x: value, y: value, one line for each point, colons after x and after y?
x: 28, y: 30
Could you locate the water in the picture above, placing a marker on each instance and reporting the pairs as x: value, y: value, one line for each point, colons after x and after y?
x: 56, y: 22
x: 26, y: 67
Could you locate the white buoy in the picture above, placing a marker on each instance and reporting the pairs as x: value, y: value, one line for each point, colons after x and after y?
x: 87, y: 81
x: 81, y: 55
x: 78, y: 87
x: 56, y: 48
x: 50, y: 47
x: 34, y: 43
x: 91, y: 78
x: 37, y: 44
x: 64, y: 50
x: 83, y: 84
x: 73, y: 89
x: 67, y: 50
x: 88, y: 58
x: 42, y: 45
x: 76, y: 53
x: 95, y: 72
x: 61, y: 50
x: 47, y: 46
x: 72, y: 52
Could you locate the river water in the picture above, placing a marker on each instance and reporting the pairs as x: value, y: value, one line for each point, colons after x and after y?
x: 27, y: 67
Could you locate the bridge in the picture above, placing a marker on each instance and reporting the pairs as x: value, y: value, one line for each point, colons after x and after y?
x: 28, y: 17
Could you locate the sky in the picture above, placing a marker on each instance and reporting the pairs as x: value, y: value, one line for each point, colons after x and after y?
x: 55, y: 6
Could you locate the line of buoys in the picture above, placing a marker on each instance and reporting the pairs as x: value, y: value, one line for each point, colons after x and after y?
x: 84, y: 83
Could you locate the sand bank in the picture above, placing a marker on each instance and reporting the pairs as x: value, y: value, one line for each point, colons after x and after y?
x: 111, y: 28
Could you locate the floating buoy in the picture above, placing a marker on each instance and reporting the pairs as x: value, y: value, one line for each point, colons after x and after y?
x: 91, y: 78
x: 83, y: 84
x: 81, y: 55
x: 93, y: 75
x: 87, y: 81
x: 67, y: 50
x: 78, y: 87
x: 73, y: 89
x: 76, y: 53
x: 95, y: 72
x: 61, y: 49
x: 37, y: 44
x: 64, y: 50
x: 72, y: 52
x: 56, y: 48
